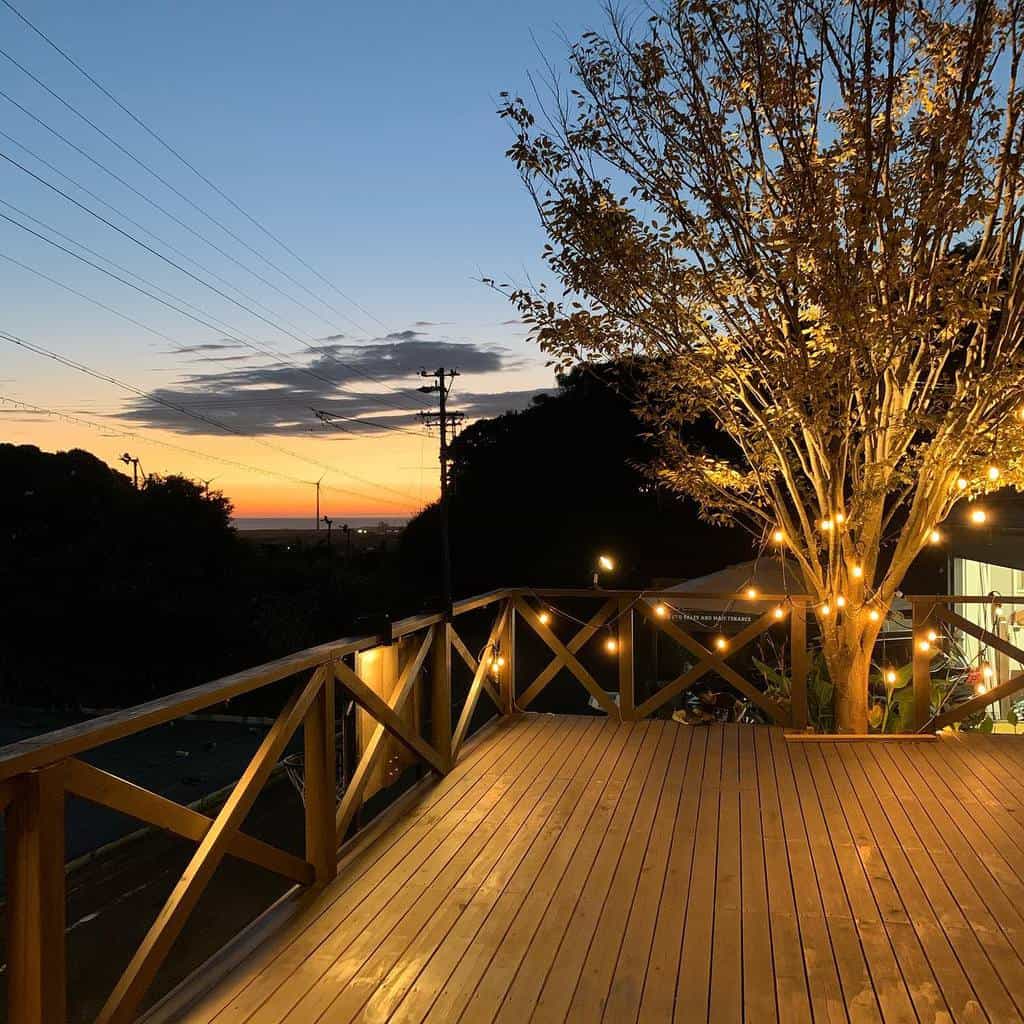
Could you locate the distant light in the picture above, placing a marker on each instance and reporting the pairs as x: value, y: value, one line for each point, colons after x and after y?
x: 857, y: 571
x: 611, y: 645
x: 545, y: 618
x: 660, y: 610
x: 873, y: 615
x: 779, y: 537
x: 978, y: 516
x: 993, y: 473
x: 779, y: 611
x: 751, y: 592
x: 935, y: 537
x: 606, y: 563
x: 721, y: 643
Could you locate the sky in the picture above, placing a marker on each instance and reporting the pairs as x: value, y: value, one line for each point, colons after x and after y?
x: 362, y: 136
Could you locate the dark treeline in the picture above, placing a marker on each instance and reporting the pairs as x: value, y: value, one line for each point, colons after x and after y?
x: 113, y: 595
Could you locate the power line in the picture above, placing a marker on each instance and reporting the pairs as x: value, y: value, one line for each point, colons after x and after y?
x: 275, y: 354
x: 167, y: 184
x: 173, y: 217
x: 163, y: 142
x: 186, y: 411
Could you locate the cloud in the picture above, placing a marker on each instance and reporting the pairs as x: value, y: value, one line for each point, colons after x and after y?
x: 206, y: 346
x: 344, y: 379
x: 332, y: 337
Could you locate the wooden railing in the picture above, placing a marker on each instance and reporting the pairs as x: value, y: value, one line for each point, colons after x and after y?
x: 37, y: 774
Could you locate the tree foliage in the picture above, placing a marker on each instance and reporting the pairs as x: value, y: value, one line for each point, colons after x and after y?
x: 805, y: 215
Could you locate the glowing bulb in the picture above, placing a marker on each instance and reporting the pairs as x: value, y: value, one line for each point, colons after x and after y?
x: 978, y: 516
x: 856, y: 572
x: 873, y: 615
x: 980, y: 689
x: 545, y: 618
x: 890, y: 676
x: 993, y: 472
x: 611, y: 645
x: 779, y: 537
x: 751, y: 592
x: 961, y: 484
x: 932, y: 636
x: 721, y: 643
x: 826, y: 608
x: 660, y: 610
x: 923, y: 646
x: 606, y: 563
x: 826, y: 525
x: 986, y: 671
x: 840, y: 518
x: 934, y: 537
x: 500, y: 662
x: 840, y: 601
x: 779, y: 611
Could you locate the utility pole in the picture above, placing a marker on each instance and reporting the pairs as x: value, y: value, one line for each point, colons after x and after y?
x: 443, y: 419
x: 317, y: 485
x: 131, y: 460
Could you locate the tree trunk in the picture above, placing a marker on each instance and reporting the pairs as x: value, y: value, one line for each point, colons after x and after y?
x: 848, y: 667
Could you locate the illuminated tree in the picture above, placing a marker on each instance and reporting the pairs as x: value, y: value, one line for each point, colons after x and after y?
x: 805, y: 219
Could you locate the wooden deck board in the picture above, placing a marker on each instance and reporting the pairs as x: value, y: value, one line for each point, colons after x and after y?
x: 582, y: 869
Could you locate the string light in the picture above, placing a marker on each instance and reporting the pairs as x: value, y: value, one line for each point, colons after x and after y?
x: 923, y: 646
x: 932, y: 636
x: 826, y: 525
x: 606, y: 563
x: 986, y: 671
x: 840, y: 518
x: 857, y: 571
x: 660, y: 610
x: 751, y: 592
x: 840, y: 601
x: 934, y: 537
x: 545, y: 618
x: 993, y: 473
x: 779, y: 537
x: 721, y: 643
x: 873, y: 614
x: 890, y: 676
x: 980, y: 689
x: 978, y: 516
x: 500, y: 661
x: 961, y: 484
x: 826, y: 608
x: 779, y: 611
x: 611, y: 645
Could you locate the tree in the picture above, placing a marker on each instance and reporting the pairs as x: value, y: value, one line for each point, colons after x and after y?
x: 806, y: 216
x: 537, y: 494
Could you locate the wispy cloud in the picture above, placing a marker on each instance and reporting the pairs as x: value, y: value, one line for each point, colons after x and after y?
x: 376, y: 382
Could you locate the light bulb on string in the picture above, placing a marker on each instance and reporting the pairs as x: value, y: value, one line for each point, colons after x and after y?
x: 545, y: 618
x: 751, y: 593
x: 961, y: 484
x: 932, y: 636
x: 661, y: 610
x: 890, y: 676
x: 826, y: 525
x: 779, y: 537
x: 978, y: 516
x: 840, y: 601
x: 857, y: 572
x: 611, y: 645
x: 721, y: 643
x: 934, y: 537
x: 840, y: 519
x: 873, y: 614
x: 779, y: 611
x: 923, y: 646
x: 826, y: 609
x: 992, y: 473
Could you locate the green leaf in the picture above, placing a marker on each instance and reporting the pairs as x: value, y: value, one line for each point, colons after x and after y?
x: 986, y: 725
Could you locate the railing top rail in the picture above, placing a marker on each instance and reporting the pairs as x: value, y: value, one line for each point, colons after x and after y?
x: 661, y: 595
x: 37, y: 751
x: 965, y: 598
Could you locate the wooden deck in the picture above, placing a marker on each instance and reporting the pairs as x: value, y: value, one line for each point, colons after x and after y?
x: 581, y: 869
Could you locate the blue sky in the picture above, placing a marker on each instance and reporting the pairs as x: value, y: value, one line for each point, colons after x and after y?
x: 364, y: 136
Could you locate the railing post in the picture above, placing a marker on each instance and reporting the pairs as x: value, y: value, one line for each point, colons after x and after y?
x: 320, y: 786
x: 36, y: 970
x: 627, y: 680
x: 922, y: 662
x: 441, y: 693
x: 798, y: 662
x: 508, y: 650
